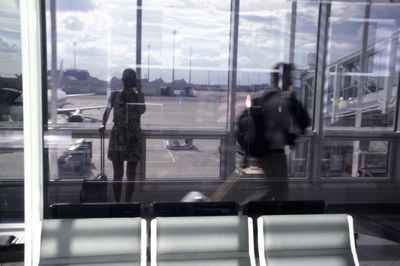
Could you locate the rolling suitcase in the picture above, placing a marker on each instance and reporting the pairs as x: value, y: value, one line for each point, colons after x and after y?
x: 218, y: 195
x: 94, y: 189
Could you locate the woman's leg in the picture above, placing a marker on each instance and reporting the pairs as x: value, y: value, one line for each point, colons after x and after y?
x: 131, y: 175
x: 118, y: 174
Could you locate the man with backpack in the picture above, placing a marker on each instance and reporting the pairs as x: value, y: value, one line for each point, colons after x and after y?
x: 275, y: 120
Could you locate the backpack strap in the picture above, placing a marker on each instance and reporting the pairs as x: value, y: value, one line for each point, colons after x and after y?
x: 259, y: 101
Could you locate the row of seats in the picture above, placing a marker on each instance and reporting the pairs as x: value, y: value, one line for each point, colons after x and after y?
x: 325, y: 239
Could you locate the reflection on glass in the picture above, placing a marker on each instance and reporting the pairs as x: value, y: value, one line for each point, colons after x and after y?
x: 79, y: 158
x: 11, y: 155
x: 296, y: 162
x: 355, y: 159
x: 72, y: 158
x: 270, y: 33
x: 182, y: 158
x: 362, y: 80
x: 297, y: 159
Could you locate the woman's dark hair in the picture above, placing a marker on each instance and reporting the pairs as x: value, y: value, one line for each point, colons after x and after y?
x: 129, y: 81
x: 129, y: 78
x: 283, y: 73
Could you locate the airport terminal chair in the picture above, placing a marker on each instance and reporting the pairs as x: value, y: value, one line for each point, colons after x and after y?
x: 95, y: 210
x: 98, y: 241
x: 203, y: 240
x: 255, y: 209
x: 174, y: 209
x: 306, y: 240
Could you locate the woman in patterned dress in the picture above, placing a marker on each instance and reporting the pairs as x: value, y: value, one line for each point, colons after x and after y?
x: 126, y: 137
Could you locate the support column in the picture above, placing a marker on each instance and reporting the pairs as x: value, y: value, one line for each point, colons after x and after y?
x: 314, y: 162
x: 229, y: 151
x: 33, y: 124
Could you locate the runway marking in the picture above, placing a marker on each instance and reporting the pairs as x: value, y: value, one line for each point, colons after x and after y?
x: 170, y: 155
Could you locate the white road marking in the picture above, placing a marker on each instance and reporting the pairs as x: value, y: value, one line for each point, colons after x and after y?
x: 170, y: 155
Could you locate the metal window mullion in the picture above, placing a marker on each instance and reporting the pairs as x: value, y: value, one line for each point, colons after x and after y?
x: 395, y: 147
x: 292, y: 41
x: 33, y: 123
x: 229, y: 153
x: 54, y: 74
x: 396, y: 43
x: 360, y: 89
x: 322, y: 51
x: 390, y: 74
x: 139, y: 39
x: 139, y: 22
x: 397, y: 114
x: 45, y: 104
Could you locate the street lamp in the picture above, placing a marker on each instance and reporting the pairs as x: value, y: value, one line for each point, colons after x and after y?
x: 173, y: 57
x: 190, y: 66
x: 148, y: 62
x: 74, y: 55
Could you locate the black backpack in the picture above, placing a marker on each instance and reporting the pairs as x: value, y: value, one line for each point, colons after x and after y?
x: 250, y: 127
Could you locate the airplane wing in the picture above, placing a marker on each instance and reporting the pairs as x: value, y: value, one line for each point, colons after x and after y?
x: 79, y: 94
x: 71, y: 110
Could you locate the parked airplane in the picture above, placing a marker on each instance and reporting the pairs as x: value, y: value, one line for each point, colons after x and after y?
x: 11, y: 106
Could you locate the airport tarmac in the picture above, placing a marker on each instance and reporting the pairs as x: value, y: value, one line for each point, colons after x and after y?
x: 207, y: 111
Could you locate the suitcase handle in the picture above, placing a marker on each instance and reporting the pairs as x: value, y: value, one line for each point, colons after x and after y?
x: 102, y: 134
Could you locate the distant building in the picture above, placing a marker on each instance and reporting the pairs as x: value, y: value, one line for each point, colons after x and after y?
x: 74, y: 81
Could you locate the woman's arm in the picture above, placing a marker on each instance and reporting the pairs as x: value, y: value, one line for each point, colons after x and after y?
x: 142, y: 106
x: 107, y: 112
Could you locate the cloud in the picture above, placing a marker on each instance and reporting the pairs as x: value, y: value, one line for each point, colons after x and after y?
x: 341, y: 45
x: 92, y: 51
x: 74, y: 23
x: 75, y: 5
x: 260, y: 19
x: 244, y: 61
x: 8, y: 48
x: 11, y: 34
x: 7, y: 14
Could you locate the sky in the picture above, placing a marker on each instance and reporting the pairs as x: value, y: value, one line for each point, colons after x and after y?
x: 104, y: 34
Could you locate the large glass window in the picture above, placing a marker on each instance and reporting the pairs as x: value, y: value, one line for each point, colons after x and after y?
x: 166, y: 160
x: 185, y: 54
x: 360, y: 93
x: 359, y: 159
x: 11, y: 133
x: 184, y: 64
x: 363, y: 44
x: 198, y: 63
x: 90, y: 55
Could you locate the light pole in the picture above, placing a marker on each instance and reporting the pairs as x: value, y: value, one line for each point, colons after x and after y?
x: 173, y: 57
x: 74, y: 55
x: 148, y: 62
x: 190, y: 66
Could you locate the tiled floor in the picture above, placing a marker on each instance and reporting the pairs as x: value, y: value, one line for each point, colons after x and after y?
x: 375, y: 251
x: 373, y: 245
